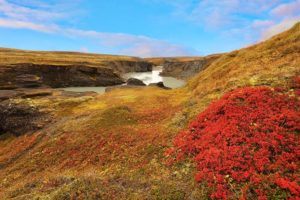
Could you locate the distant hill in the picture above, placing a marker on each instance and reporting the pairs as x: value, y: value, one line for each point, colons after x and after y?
x: 12, y: 56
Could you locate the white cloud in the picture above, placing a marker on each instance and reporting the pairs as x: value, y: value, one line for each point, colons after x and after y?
x: 39, y: 16
x: 84, y: 49
x: 135, y: 45
x: 278, y: 28
x: 262, y: 23
x: 221, y: 13
x: 156, y: 48
x: 17, y: 24
x: 19, y: 12
x: 248, y: 20
x: 287, y: 10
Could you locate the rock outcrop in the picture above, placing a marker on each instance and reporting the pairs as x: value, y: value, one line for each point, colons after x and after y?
x: 134, y: 81
x: 182, y: 67
x: 123, y: 66
x: 26, y: 93
x: 36, y: 75
x: 19, y: 118
x: 186, y: 69
x: 7, y: 94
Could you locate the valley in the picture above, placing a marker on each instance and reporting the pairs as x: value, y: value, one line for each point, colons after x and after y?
x: 58, y: 144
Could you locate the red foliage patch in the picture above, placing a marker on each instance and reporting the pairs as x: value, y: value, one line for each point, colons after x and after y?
x: 246, y: 144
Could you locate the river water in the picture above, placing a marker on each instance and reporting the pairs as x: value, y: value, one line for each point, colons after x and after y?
x: 146, y: 77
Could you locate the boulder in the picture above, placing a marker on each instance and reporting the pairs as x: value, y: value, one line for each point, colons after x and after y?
x: 134, y: 81
x: 160, y: 85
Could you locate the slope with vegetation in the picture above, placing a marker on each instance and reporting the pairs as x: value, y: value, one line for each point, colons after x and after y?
x: 272, y: 62
x: 246, y: 145
x: 113, y: 146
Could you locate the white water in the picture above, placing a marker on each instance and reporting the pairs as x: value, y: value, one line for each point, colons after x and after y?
x: 154, y: 77
x: 146, y: 77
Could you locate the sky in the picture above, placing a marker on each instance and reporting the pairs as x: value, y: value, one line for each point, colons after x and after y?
x: 144, y: 28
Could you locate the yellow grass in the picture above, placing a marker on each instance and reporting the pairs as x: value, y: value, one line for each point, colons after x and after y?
x: 12, y: 56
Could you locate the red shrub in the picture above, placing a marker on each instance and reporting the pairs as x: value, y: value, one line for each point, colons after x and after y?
x: 248, y: 139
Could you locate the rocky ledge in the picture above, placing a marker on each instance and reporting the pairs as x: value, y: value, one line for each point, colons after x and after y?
x: 26, y: 110
x: 138, y: 84
x: 19, y: 118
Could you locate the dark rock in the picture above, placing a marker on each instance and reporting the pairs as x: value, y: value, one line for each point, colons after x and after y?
x: 7, y: 94
x: 8, y: 87
x: 37, y: 75
x: 32, y: 93
x: 20, y: 118
x: 130, y: 66
x: 134, y: 81
x: 186, y: 69
x: 159, y: 84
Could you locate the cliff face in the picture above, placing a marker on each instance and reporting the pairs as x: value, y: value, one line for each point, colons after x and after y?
x: 19, y: 68
x: 36, y: 75
x: 129, y: 66
x: 183, y: 67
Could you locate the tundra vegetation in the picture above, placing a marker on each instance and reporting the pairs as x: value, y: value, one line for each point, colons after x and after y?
x: 231, y: 133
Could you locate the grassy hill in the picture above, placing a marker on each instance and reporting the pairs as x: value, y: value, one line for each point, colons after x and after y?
x: 161, y: 60
x: 272, y: 63
x: 112, y: 146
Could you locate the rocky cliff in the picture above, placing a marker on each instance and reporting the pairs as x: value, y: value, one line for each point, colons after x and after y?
x: 36, y: 75
x: 19, y: 68
x: 183, y: 67
x: 123, y: 66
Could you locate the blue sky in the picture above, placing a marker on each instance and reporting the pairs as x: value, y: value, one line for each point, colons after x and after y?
x: 144, y: 28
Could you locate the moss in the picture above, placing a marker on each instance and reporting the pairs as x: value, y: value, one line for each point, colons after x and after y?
x: 167, y: 192
x: 117, y: 116
x: 60, y: 188
x: 79, y: 189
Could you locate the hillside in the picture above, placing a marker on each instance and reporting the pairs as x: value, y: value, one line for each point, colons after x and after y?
x: 271, y: 63
x: 113, y: 146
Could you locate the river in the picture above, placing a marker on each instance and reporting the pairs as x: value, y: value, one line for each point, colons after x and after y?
x: 146, y: 77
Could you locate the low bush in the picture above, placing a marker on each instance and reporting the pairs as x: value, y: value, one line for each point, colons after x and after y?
x: 245, y: 145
